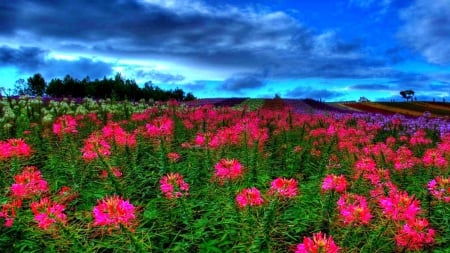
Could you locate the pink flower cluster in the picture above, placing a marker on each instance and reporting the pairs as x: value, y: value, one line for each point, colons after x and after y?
x: 287, y: 188
x: 249, y: 197
x: 173, y: 185
x: 319, y: 243
x: 28, y: 184
x: 94, y: 146
x: 47, y: 213
x: 228, y: 169
x: 114, y: 211
x: 434, y: 158
x: 99, y: 142
x: 439, y: 187
x: 9, y: 211
x: 354, y: 209
x: 159, y: 127
x: 399, y: 206
x: 337, y: 183
x: 65, y: 124
x: 415, y: 234
x: 14, y: 148
x: 173, y: 157
x: 113, y: 132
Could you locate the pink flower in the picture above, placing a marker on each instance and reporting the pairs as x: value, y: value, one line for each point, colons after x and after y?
x: 173, y: 157
x: 115, y: 171
x: 336, y: 183
x: 47, y: 212
x: 354, y: 209
x: 114, y: 211
x: 65, y: 124
x: 115, y: 133
x: 249, y: 197
x: 228, y: 169
x: 435, y: 158
x: 14, y: 148
x: 415, y: 235
x: 319, y: 243
x: 160, y: 127
x: 200, y: 140
x: 94, y: 146
x: 404, y: 159
x: 29, y: 183
x: 173, y: 186
x: 284, y: 187
x: 9, y: 211
x: 399, y: 206
x: 440, y: 188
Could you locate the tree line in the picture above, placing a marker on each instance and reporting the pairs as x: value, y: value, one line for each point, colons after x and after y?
x: 116, y: 88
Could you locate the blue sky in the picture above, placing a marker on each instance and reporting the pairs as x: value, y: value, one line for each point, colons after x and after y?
x: 331, y: 50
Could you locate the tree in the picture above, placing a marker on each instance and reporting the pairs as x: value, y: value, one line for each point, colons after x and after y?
x: 20, y: 88
x: 36, y: 85
x: 55, y: 88
x: 407, y: 94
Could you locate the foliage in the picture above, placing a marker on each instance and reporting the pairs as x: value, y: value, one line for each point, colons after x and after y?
x: 116, y: 88
x: 407, y: 94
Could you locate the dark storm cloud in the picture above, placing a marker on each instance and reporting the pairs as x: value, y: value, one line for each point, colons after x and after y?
x: 220, y: 36
x: 8, y: 16
x: 25, y: 58
x: 375, y: 87
x: 427, y: 29
x: 243, y: 81
x: 31, y: 60
x: 308, y: 92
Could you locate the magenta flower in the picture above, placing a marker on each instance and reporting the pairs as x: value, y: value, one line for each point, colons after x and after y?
x: 228, y: 169
x: 249, y: 197
x: 47, y: 213
x: 94, y: 146
x: 440, y: 188
x: 14, y: 148
x: 9, y: 211
x: 173, y: 186
x: 415, y: 235
x: 173, y: 157
x: 160, y: 127
x: 65, y: 124
x: 353, y: 209
x: 29, y: 183
x: 318, y: 243
x: 337, y: 183
x: 114, y: 132
x: 404, y: 159
x: 435, y: 158
x: 114, y: 211
x: 283, y: 187
x: 400, y: 206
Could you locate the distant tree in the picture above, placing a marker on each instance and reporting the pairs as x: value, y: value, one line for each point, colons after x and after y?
x: 36, y: 85
x: 189, y: 97
x: 116, y: 88
x: 21, y: 88
x: 177, y: 94
x: 407, y: 94
x: 55, y: 88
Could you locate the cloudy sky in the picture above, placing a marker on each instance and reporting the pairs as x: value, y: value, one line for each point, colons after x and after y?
x: 332, y: 50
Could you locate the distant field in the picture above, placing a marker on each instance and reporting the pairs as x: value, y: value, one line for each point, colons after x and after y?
x: 433, y: 109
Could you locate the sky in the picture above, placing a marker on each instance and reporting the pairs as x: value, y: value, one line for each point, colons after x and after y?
x: 329, y: 50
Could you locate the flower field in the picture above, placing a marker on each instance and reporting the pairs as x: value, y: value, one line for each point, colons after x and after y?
x: 241, y: 176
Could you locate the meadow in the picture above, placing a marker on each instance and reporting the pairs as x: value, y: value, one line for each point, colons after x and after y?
x: 237, y: 176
